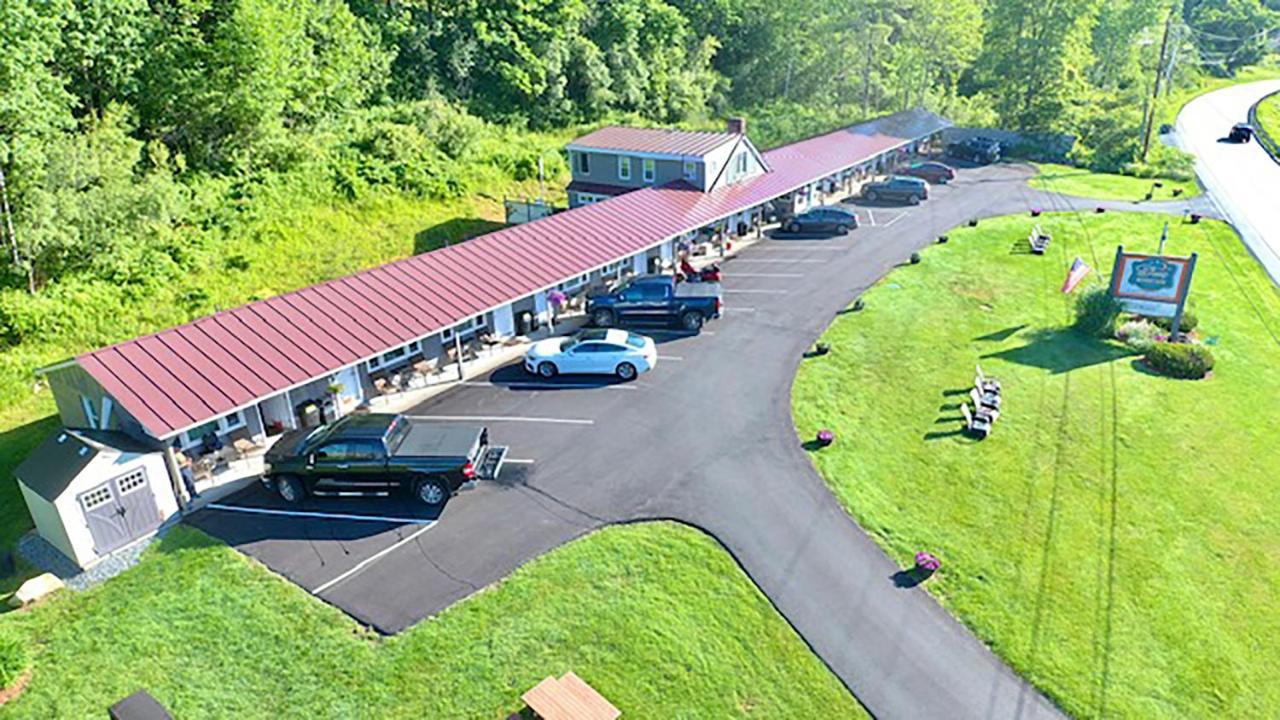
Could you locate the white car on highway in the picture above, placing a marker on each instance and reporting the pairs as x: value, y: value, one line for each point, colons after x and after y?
x: 596, y: 351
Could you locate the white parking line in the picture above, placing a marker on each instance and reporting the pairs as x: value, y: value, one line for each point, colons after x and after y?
x: 519, y: 461
x: 741, y: 309
x: 778, y: 260
x: 806, y: 245
x: 670, y: 358
x: 371, y: 559
x: 502, y: 418
x: 871, y: 217
x: 326, y: 515
x: 894, y: 220
x: 727, y: 291
x: 535, y: 385
x: 768, y: 275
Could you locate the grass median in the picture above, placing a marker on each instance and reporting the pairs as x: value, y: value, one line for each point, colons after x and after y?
x: 1082, y: 182
x: 1115, y: 539
x: 657, y: 617
x: 1269, y: 116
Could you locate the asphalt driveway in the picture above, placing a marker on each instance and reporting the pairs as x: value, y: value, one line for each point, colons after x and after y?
x: 706, y: 438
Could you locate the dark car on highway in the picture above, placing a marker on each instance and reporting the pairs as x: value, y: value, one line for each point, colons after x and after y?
x: 906, y: 189
x: 931, y: 171
x: 376, y: 454
x: 656, y: 299
x: 825, y: 219
x: 978, y: 149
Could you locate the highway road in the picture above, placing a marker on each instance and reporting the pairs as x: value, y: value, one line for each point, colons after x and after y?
x: 1241, y: 178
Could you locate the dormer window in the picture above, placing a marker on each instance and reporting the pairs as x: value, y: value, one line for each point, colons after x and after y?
x: 584, y: 163
x: 650, y: 170
x: 624, y: 168
x: 742, y: 163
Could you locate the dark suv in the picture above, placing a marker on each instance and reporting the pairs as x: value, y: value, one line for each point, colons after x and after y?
x: 977, y: 149
x: 826, y: 219
x: 907, y: 189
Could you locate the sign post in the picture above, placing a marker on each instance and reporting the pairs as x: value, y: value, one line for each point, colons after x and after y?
x: 1182, y: 302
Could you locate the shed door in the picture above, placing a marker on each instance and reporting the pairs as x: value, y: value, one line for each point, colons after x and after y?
x: 120, y: 510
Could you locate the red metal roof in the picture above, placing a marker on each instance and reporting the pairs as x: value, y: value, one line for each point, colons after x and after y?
x: 654, y: 140
x: 187, y: 375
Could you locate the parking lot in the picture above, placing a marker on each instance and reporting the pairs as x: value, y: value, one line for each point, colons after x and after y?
x: 693, y: 439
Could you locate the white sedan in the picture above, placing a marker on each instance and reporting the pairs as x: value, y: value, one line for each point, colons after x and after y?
x: 605, y: 352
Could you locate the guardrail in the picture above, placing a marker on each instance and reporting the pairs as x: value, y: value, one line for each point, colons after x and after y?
x: 1264, y: 138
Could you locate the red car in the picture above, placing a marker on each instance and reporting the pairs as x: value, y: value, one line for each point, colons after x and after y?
x: 933, y: 172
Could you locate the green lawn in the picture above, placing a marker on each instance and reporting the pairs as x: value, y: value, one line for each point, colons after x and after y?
x: 1081, y: 182
x: 1116, y: 540
x: 1269, y: 116
x: 657, y: 617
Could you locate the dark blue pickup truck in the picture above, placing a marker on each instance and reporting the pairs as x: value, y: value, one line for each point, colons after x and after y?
x: 656, y: 299
x: 375, y: 454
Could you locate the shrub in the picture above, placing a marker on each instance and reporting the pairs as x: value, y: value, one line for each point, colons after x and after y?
x: 1096, y: 312
x: 1189, y: 322
x: 15, y: 656
x: 1139, y: 335
x: 1180, y: 360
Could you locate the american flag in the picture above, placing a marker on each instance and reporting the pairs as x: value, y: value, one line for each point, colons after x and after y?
x: 1077, y: 273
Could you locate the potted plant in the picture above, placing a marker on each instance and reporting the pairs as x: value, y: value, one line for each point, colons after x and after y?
x: 915, y: 258
x: 927, y: 563
x: 825, y: 437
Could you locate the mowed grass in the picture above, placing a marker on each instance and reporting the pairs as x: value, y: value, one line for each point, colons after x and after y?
x: 657, y: 617
x: 1116, y: 540
x: 1081, y: 182
x: 1269, y: 116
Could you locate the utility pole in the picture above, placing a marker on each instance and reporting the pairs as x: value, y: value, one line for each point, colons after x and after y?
x: 1150, y: 115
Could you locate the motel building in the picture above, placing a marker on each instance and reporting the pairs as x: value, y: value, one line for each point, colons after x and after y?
x: 199, y: 404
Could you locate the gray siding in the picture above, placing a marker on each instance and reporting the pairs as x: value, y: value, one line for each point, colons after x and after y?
x: 603, y: 169
x: 69, y: 384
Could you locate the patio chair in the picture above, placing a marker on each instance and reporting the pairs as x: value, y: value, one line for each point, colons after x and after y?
x: 987, y: 401
x: 983, y: 383
x: 978, y: 425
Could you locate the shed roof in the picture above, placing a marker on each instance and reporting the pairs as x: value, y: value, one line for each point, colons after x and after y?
x: 51, y: 468
x: 178, y: 378
x: 659, y: 141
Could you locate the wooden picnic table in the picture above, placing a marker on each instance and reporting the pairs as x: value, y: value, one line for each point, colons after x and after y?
x: 569, y: 698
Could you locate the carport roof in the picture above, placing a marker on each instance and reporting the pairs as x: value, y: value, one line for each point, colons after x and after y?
x: 184, y: 376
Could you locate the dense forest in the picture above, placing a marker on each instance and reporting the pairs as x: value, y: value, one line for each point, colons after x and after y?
x: 139, y: 137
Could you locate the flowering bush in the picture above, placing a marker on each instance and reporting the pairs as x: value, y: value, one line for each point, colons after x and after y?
x: 927, y: 562
x: 1139, y: 335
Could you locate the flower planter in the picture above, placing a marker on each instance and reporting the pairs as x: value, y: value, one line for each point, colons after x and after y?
x: 825, y: 438
x: 1099, y: 209
x: 1035, y: 212
x: 926, y: 562
x: 859, y: 304
x: 942, y: 239
x: 821, y: 349
x: 973, y: 223
x: 1195, y: 219
x: 915, y: 258
x: 1177, y: 192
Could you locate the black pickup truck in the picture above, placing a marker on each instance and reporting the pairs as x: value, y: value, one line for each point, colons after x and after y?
x: 376, y: 454
x: 656, y: 299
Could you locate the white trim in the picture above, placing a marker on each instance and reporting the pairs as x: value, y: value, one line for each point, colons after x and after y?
x: 648, y: 170
x: 409, y: 349
x: 624, y: 161
x: 90, y: 417
x: 104, y: 422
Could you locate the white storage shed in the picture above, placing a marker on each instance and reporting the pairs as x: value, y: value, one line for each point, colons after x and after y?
x: 91, y: 492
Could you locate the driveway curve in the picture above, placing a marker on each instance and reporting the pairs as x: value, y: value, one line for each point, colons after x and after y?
x: 707, y: 438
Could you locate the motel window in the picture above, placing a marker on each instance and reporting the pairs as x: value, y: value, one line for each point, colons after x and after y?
x: 650, y: 170
x: 574, y: 283
x: 464, y: 329
x: 230, y: 422
x: 690, y: 170
x: 611, y: 268
x: 392, y: 356
x: 584, y: 163
x: 624, y: 168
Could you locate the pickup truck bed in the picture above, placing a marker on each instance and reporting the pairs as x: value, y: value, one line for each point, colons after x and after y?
x: 442, y: 440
